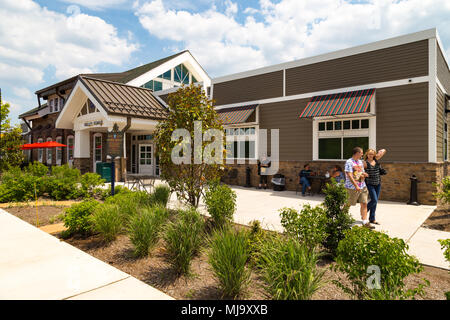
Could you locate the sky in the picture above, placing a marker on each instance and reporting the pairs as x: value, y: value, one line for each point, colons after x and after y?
x: 46, y: 41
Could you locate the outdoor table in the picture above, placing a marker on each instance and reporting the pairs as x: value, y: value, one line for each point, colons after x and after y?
x: 139, y: 181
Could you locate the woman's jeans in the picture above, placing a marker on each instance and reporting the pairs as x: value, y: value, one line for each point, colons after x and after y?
x: 305, y: 183
x: 374, y: 193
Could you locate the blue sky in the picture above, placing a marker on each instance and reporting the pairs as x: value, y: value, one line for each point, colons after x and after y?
x: 43, y: 41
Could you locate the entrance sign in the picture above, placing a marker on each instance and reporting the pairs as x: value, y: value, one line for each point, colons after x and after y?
x: 114, y: 142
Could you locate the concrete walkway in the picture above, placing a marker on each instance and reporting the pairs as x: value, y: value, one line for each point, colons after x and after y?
x: 36, y: 265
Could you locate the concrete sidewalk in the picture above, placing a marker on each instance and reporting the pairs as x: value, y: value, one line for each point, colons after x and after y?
x: 36, y: 265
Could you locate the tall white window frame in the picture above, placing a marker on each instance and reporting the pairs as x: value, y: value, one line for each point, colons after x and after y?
x: 70, y: 149
x: 370, y: 133
x: 237, y: 136
x: 40, y: 151
x: 49, y: 156
x: 97, y: 149
x: 58, y: 151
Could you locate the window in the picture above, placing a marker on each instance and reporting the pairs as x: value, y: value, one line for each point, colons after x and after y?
x: 49, y: 152
x: 336, y: 139
x: 50, y: 105
x: 40, y: 151
x: 166, y: 75
x: 145, y: 155
x: 181, y: 74
x: 56, y: 104
x: 70, y: 143
x: 153, y: 85
x: 97, y: 147
x: 58, y: 151
x: 241, y: 143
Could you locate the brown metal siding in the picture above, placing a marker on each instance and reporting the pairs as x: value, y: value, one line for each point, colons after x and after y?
x: 399, y: 62
x: 295, y: 134
x: 443, y: 72
x: 264, y: 86
x: 402, y: 122
x: 440, y: 101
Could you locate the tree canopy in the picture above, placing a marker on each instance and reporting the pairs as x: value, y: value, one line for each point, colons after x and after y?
x: 10, y: 140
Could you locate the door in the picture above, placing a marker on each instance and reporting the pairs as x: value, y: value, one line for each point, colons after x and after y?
x: 146, y: 159
x: 98, y: 149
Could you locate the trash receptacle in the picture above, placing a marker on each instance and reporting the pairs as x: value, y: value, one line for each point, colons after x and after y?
x: 104, y: 170
x: 278, y: 182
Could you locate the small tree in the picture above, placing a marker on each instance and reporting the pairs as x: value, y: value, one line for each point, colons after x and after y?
x: 376, y: 266
x: 10, y: 141
x: 444, y: 193
x: 445, y: 245
x: 337, y: 211
x: 188, y: 179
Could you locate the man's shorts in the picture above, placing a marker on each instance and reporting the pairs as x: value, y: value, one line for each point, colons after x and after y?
x: 355, y: 196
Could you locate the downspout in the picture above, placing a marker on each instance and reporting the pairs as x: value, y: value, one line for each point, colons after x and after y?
x: 124, y: 134
x: 39, y: 100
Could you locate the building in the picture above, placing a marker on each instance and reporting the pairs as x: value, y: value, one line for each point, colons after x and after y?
x: 80, y: 110
x: 390, y: 94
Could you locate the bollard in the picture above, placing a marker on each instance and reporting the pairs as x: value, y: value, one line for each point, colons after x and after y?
x: 413, y: 194
x: 247, y: 177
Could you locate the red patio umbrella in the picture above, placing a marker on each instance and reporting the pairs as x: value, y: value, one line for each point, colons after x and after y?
x: 48, y: 144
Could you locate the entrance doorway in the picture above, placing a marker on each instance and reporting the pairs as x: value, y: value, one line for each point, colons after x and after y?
x: 146, y: 159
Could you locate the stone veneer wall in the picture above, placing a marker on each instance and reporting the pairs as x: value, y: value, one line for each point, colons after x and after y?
x: 83, y: 164
x: 395, y: 185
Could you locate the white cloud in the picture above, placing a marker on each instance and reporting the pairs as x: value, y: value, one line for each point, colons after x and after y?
x: 287, y: 30
x: 97, y: 4
x: 22, y: 92
x: 41, y: 38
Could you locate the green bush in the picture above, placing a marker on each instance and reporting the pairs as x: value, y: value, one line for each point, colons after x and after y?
x: 256, y: 238
x: 106, y: 220
x: 445, y: 245
x: 290, y: 269
x: 130, y: 203
x: 89, y: 182
x: 362, y: 252
x: 145, y: 228
x: 228, y: 257
x: 309, y: 225
x: 36, y: 169
x: 19, y: 186
x: 62, y: 184
x: 78, y: 217
x: 161, y: 195
x: 339, y: 219
x: 444, y: 193
x: 183, y: 238
x: 220, y: 201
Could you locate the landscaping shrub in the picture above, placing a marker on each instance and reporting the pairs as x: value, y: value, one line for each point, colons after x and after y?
x: 130, y: 203
x: 78, y: 217
x: 445, y: 245
x: 63, y: 183
x: 228, y: 257
x: 444, y: 192
x: 161, y: 195
x: 18, y: 185
x: 338, y: 217
x: 255, y: 239
x: 144, y: 228
x: 89, y: 182
x: 220, y: 201
x: 308, y: 226
x: 106, y: 220
x: 290, y: 269
x: 36, y: 169
x: 362, y: 252
x: 183, y: 238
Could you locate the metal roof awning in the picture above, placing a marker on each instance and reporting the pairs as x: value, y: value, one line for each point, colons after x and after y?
x: 236, y: 115
x: 339, y: 104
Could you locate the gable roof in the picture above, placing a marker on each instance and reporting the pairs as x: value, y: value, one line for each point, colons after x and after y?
x: 121, y: 99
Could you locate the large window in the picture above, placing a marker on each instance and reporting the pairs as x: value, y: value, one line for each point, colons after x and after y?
x: 40, y: 151
x: 153, y: 85
x: 181, y: 74
x: 337, y: 138
x: 70, y: 143
x: 58, y: 151
x: 98, y: 147
x: 49, y: 152
x: 241, y: 143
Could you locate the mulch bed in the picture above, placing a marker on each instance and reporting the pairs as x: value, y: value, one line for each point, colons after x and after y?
x: 156, y: 271
x: 44, y: 214
x: 438, y: 220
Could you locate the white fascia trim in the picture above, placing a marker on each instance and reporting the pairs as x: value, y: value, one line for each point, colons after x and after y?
x: 432, y: 106
x: 66, y: 107
x: 185, y: 58
x: 413, y: 37
x: 320, y: 93
x: 93, y: 100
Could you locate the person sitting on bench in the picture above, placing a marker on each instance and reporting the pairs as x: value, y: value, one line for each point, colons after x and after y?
x: 304, y: 179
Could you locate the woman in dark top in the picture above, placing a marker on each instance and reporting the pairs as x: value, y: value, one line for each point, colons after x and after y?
x: 303, y: 179
x: 373, y: 181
